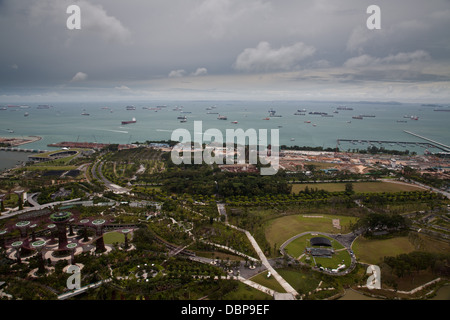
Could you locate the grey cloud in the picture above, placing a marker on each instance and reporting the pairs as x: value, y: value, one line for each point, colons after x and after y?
x: 144, y: 43
x: 264, y: 58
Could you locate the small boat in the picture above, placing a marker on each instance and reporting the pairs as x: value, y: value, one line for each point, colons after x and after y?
x: 85, y: 114
x: 26, y: 114
x: 266, y: 119
x: 235, y: 122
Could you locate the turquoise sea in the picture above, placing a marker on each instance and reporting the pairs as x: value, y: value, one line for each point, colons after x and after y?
x: 64, y: 121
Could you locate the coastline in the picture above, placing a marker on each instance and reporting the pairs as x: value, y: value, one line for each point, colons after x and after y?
x: 16, y: 141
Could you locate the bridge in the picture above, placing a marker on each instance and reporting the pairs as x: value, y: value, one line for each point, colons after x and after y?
x: 22, y: 150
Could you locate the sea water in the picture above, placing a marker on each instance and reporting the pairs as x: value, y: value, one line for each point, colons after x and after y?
x: 64, y: 122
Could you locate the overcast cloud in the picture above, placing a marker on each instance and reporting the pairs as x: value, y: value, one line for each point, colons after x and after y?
x: 225, y: 49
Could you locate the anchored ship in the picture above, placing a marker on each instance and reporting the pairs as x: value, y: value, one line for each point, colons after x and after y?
x: 130, y: 121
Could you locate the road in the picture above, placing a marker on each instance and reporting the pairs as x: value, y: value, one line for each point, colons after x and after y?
x: 97, y: 168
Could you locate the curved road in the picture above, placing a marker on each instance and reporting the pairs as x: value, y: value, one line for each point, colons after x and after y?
x: 97, y: 168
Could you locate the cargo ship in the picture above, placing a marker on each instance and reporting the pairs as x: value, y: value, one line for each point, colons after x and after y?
x: 44, y: 106
x: 272, y: 113
x: 129, y: 121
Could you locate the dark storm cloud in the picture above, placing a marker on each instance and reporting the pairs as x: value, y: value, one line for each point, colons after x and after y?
x: 153, y: 45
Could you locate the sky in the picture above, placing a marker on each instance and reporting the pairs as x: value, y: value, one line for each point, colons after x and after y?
x: 225, y: 49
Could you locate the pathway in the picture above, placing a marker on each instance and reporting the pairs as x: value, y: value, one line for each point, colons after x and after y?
x: 286, y: 286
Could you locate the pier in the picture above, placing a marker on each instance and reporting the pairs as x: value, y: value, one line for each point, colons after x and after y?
x: 435, y: 143
x: 430, y: 144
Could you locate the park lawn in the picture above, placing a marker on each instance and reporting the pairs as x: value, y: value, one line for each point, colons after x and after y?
x: 281, y: 229
x: 357, y: 187
x: 112, y: 237
x: 270, y: 283
x: 429, y: 244
x: 340, y: 257
x: 245, y: 292
x: 374, y: 250
x: 302, y: 282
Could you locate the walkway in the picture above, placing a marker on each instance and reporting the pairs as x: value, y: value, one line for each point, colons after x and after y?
x: 286, y: 286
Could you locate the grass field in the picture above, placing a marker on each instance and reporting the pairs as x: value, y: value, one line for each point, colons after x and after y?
x: 270, y: 283
x: 281, y: 229
x: 112, y: 237
x: 300, y: 281
x: 245, y: 292
x: 357, y: 187
x: 297, y: 246
x: 373, y: 250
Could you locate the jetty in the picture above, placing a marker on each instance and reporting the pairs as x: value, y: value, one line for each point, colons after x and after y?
x: 429, y: 144
x: 435, y: 143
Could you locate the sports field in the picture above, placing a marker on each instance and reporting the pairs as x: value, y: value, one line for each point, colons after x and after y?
x: 357, y: 187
